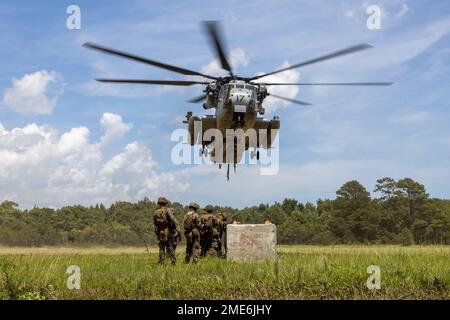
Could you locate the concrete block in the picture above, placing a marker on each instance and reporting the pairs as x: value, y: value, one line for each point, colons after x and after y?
x: 251, y: 242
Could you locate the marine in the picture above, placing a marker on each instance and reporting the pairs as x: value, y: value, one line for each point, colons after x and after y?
x: 167, y: 230
x: 222, y: 221
x: 210, y: 235
x: 192, y: 227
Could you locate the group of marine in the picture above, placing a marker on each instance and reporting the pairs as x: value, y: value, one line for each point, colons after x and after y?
x: 205, y: 235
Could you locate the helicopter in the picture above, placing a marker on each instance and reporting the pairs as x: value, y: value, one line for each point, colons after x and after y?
x: 238, y: 101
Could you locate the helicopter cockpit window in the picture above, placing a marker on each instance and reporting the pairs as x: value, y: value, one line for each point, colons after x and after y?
x: 240, y: 86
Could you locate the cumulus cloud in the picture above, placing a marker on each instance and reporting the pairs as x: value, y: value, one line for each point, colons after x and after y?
x: 271, y: 104
x: 40, y: 166
x: 114, y: 127
x: 35, y: 93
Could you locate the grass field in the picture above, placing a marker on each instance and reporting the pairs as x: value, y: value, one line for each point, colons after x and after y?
x: 302, y: 272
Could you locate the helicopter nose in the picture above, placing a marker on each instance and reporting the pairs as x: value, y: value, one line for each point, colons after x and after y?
x: 240, y: 99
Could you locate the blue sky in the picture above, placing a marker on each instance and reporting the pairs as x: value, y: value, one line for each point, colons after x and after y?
x: 90, y: 142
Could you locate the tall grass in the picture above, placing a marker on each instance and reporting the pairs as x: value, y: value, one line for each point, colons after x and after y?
x: 303, y: 272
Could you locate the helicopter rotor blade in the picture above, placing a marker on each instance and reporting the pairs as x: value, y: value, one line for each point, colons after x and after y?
x: 332, y: 55
x: 147, y: 61
x: 331, y: 84
x: 212, y: 28
x: 161, y: 82
x: 198, y: 99
x: 290, y: 100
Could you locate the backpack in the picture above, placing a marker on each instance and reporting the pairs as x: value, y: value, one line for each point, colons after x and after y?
x: 209, y: 222
x: 160, y: 218
x: 189, y: 221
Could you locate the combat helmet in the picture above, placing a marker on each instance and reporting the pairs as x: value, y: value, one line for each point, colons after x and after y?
x: 162, y: 201
x: 209, y: 208
x: 193, y: 205
x: 223, y: 215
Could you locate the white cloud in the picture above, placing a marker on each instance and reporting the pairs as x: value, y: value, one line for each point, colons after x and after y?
x: 409, y: 118
x: 35, y: 93
x: 40, y: 166
x: 114, y: 127
x: 271, y: 104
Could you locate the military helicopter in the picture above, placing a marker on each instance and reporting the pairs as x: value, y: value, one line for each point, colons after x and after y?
x: 237, y: 100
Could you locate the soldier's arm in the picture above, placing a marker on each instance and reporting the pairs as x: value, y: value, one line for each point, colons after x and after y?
x: 197, y: 221
x: 216, y: 222
x: 170, y: 214
x: 201, y: 223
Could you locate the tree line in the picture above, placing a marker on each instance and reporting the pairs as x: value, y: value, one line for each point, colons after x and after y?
x: 402, y: 213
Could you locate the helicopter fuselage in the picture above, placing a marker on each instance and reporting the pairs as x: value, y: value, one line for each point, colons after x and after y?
x: 237, y: 104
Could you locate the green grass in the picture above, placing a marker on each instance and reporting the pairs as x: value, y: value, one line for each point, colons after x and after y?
x: 303, y: 272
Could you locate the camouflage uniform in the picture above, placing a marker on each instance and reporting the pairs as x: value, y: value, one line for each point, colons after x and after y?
x: 222, y: 250
x: 166, y: 229
x: 210, y: 235
x: 192, y: 226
